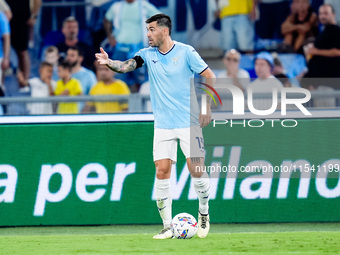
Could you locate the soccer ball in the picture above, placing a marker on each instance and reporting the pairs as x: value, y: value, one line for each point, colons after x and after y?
x: 184, y: 226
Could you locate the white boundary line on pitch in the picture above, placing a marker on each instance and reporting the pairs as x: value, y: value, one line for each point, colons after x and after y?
x: 133, y: 117
x: 76, y: 118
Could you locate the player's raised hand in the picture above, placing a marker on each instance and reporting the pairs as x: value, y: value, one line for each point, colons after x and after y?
x: 102, y: 57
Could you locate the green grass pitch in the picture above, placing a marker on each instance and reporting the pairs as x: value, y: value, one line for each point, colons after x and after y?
x: 285, y: 238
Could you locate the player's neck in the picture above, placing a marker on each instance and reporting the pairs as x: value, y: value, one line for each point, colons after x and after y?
x: 265, y: 77
x: 71, y: 42
x: 108, y: 82
x: 76, y: 68
x: 166, y: 46
x: 66, y: 79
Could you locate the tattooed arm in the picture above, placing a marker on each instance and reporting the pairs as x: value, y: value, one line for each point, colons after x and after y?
x: 122, y: 67
x: 115, y: 65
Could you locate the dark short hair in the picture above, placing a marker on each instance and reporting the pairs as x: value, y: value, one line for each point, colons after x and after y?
x: 45, y: 64
x: 161, y: 20
x: 330, y: 6
x: 65, y: 64
x: 69, y: 19
x: 51, y: 48
x: 78, y: 49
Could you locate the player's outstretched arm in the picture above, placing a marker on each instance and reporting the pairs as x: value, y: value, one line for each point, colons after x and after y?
x: 115, y: 65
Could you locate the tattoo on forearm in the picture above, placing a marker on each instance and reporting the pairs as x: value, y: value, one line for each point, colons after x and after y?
x: 122, y: 67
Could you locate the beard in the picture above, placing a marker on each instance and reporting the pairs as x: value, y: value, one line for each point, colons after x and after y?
x: 154, y: 43
x: 73, y: 64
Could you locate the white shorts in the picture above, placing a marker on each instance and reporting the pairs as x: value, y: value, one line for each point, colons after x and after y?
x: 165, y: 143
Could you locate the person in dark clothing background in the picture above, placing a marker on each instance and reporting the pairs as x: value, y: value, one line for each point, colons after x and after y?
x: 22, y: 21
x: 300, y: 25
x: 324, y: 54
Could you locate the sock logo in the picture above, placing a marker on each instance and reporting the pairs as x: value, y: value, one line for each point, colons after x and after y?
x: 160, y: 209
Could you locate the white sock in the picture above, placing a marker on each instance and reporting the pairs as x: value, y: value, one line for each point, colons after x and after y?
x: 202, y: 187
x: 164, y: 201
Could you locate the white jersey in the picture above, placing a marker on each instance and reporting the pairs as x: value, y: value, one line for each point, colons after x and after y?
x: 40, y: 89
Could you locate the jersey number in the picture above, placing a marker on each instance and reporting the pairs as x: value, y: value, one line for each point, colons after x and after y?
x: 200, y: 142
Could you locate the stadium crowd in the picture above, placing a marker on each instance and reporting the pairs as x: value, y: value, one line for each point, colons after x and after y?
x: 262, y: 32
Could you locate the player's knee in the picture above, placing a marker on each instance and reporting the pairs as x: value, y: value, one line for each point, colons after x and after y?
x: 163, y: 169
x: 162, y: 174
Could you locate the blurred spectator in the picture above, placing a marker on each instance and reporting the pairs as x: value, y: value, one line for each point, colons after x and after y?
x: 325, y: 100
x: 5, y: 8
x: 299, y: 25
x: 145, y: 90
x: 97, y: 27
x: 324, y: 54
x: 324, y: 57
x: 86, y: 77
x: 2, y: 111
x: 51, y: 56
x: 67, y: 86
x: 234, y: 75
x: 336, y: 6
x: 279, y: 72
x: 42, y: 86
x: 21, y: 23
x: 316, y: 4
x: 265, y: 82
x: 70, y: 30
x: 129, y: 34
x: 5, y: 45
x: 231, y: 61
x: 237, y: 25
x: 107, y: 85
x: 272, y: 15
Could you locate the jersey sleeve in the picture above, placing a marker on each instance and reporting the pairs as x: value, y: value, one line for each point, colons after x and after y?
x: 195, y: 62
x: 5, y: 28
x: 151, y: 9
x: 110, y: 14
x: 4, y: 6
x: 140, y: 58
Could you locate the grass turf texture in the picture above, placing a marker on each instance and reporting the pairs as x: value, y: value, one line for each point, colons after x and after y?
x: 287, y: 238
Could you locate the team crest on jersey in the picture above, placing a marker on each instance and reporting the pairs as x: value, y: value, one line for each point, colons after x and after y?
x: 175, y: 60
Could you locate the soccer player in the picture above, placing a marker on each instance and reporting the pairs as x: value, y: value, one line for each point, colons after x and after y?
x: 171, y: 64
